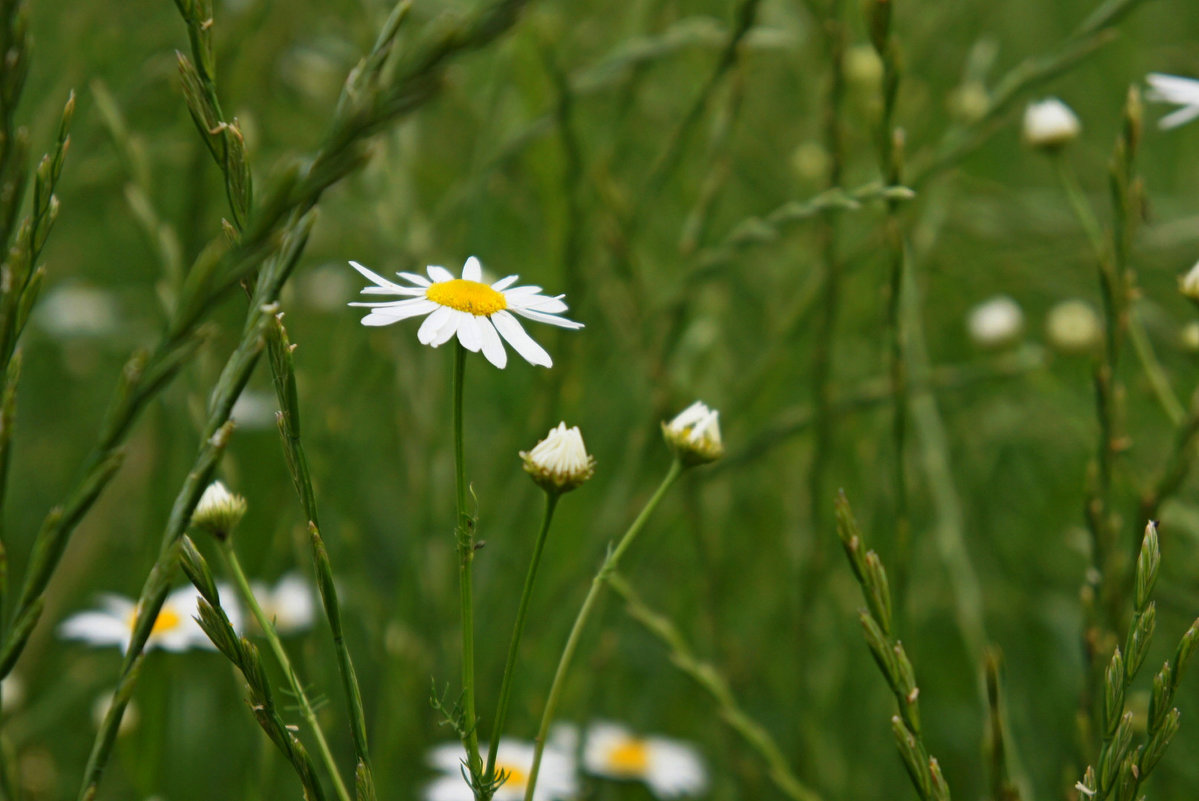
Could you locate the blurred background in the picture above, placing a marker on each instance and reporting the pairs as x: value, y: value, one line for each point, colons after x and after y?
x: 596, y: 150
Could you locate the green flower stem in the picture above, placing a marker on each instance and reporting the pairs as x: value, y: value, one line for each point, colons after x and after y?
x: 465, y: 535
x: 501, y: 709
x: 611, y: 562
x: 297, y: 687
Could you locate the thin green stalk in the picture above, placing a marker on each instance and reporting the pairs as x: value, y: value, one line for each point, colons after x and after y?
x: 501, y: 709
x: 611, y: 561
x: 1082, y: 208
x: 465, y: 536
x: 706, y: 676
x: 297, y: 687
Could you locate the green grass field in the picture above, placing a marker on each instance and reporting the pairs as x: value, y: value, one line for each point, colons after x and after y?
x: 716, y: 189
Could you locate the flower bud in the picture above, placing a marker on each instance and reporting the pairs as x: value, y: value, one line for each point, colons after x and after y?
x: 560, y: 462
x: 995, y: 322
x: 694, y: 435
x: 1188, y: 284
x: 1050, y: 124
x: 219, y: 511
x: 1073, y: 327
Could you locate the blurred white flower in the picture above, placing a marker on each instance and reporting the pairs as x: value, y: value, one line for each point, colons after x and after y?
x: 995, y: 322
x: 1189, y: 336
x: 175, y: 628
x: 76, y: 310
x: 478, y: 313
x: 255, y: 410
x: 1188, y: 284
x: 1073, y: 327
x: 218, y: 511
x: 1050, y: 123
x: 291, y: 603
x: 12, y: 693
x: 694, y: 434
x: 556, y: 778
x: 671, y: 768
x: 1182, y: 92
x: 559, y: 462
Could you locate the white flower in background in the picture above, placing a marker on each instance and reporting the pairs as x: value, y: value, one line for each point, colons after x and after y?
x: 694, y: 434
x: 76, y: 310
x: 556, y: 778
x: 1188, y: 337
x: 129, y: 719
x: 994, y: 322
x: 291, y: 603
x: 1049, y: 124
x: 1188, y: 284
x: 560, y: 462
x: 254, y: 411
x: 218, y: 511
x: 12, y: 693
x: 1073, y: 327
x: 671, y: 768
x: 478, y: 313
x: 1182, y: 92
x: 175, y: 628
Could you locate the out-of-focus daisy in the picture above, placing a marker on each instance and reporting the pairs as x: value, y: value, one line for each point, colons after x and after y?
x: 76, y: 310
x: 1180, y: 91
x: 995, y: 322
x: 560, y: 462
x: 290, y: 603
x: 478, y: 313
x: 671, y: 768
x: 175, y: 628
x: 1073, y: 327
x: 1049, y: 124
x: 556, y: 778
x: 694, y: 434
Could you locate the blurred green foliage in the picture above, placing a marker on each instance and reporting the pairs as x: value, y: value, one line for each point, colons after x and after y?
x: 540, y: 157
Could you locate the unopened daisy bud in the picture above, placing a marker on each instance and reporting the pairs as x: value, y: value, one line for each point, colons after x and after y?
x: 1050, y: 124
x: 1188, y: 284
x: 694, y: 435
x: 1073, y: 327
x: 560, y: 462
x: 219, y: 511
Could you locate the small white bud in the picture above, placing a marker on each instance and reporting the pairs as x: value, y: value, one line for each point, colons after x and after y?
x: 694, y: 434
x: 1073, y: 327
x: 1050, y: 124
x: 219, y: 511
x: 560, y: 462
x: 995, y: 322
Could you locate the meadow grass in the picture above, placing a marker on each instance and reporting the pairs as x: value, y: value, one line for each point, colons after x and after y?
x: 787, y: 210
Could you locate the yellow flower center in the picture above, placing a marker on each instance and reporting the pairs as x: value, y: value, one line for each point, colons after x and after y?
x: 167, y: 620
x: 514, y: 777
x: 468, y: 296
x: 631, y: 757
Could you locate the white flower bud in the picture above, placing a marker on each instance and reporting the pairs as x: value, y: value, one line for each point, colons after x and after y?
x: 1073, y: 327
x: 219, y: 511
x: 995, y: 322
x: 560, y: 462
x: 694, y: 434
x: 1050, y: 124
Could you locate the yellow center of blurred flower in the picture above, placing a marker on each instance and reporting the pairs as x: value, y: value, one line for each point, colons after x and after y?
x: 167, y: 620
x: 630, y: 757
x: 514, y: 777
x: 468, y: 296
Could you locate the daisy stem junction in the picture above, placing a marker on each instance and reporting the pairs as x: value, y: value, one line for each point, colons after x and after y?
x: 465, y: 536
x: 611, y: 562
x: 501, y: 710
x: 297, y: 687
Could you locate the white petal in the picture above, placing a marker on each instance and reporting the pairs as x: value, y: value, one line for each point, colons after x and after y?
x: 493, y: 348
x: 375, y: 320
x: 511, y: 330
x: 504, y: 282
x: 548, y: 319
x: 97, y: 628
x: 468, y: 333
x: 1173, y: 88
x: 521, y: 292
x: 402, y: 310
x: 374, y: 277
x: 415, y: 278
x: 432, y: 324
x: 546, y: 305
x: 439, y: 274
x: 450, y: 327
x: 1179, y: 117
x: 472, y: 270
x: 394, y: 289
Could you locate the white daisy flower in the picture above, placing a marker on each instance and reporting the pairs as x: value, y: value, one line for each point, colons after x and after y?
x: 560, y: 462
x: 1182, y: 92
x: 175, y: 629
x: 556, y: 778
x: 671, y: 768
x: 1050, y: 123
x: 995, y: 322
x: 478, y: 313
x: 291, y: 603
